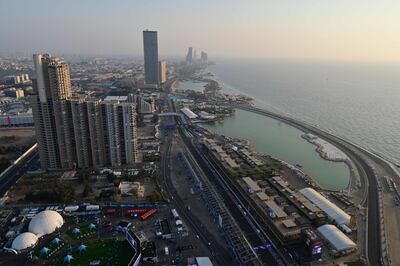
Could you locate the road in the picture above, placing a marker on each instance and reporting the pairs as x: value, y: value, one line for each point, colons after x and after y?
x: 255, y: 232
x: 249, y: 219
x: 11, y: 177
x: 362, y: 160
x: 219, y: 253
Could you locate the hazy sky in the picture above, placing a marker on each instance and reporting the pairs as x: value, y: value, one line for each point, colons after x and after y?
x: 313, y: 29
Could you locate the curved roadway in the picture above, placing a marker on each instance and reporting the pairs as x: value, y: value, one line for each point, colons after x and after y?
x: 368, y: 178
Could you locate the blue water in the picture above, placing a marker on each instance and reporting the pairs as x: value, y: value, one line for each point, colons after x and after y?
x: 190, y: 85
x: 282, y: 141
x: 359, y: 102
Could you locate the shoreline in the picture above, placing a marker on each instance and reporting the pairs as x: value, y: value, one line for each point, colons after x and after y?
x: 366, y: 181
x: 298, y: 171
x: 304, y: 127
x: 229, y: 89
x: 363, y: 160
x: 320, y: 149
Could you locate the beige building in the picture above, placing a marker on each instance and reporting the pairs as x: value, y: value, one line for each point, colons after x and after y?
x: 162, y: 72
x: 52, y: 86
x: 154, y: 98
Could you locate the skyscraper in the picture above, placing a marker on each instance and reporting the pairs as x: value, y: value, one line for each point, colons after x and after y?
x: 150, y: 46
x: 204, y: 56
x: 162, y: 68
x: 189, y: 56
x: 52, y: 87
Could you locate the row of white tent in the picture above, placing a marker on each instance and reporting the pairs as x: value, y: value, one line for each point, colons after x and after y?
x: 336, y: 238
x: 43, y: 223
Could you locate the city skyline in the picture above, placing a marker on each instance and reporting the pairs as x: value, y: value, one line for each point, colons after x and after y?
x: 350, y: 30
x: 282, y: 149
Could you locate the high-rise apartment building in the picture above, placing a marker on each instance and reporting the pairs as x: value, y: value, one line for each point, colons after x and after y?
x: 150, y: 46
x: 80, y: 127
x: 120, y: 132
x: 97, y: 125
x: 162, y: 71
x: 78, y: 131
x: 52, y: 86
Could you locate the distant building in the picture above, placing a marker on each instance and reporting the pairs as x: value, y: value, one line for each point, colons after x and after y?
x: 154, y: 102
x: 20, y: 120
x: 14, y: 79
x: 189, y: 56
x: 17, y: 79
x: 204, y: 56
x: 14, y: 93
x: 143, y: 106
x: 162, y: 68
x: 150, y: 46
x: 189, y: 114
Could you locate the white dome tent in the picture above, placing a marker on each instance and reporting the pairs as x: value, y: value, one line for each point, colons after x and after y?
x: 24, y: 241
x: 45, y: 222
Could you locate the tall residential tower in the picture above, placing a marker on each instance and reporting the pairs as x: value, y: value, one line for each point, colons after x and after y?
x: 52, y: 87
x: 79, y: 132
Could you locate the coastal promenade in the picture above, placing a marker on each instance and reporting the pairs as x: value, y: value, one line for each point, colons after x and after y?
x: 366, y: 164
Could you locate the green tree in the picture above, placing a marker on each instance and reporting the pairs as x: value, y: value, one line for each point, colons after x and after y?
x: 87, y: 190
x: 154, y: 119
x: 111, y: 177
x: 4, y: 163
x: 83, y: 175
x: 154, y: 197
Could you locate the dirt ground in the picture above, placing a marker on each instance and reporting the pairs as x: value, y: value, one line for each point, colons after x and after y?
x: 27, y: 184
x: 14, y: 142
x: 392, y: 221
x: 19, y: 132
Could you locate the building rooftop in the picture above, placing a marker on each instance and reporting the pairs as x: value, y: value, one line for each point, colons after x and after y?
x: 336, y: 238
x: 277, y: 210
x: 116, y: 98
x: 252, y: 184
x: 186, y: 111
x: 334, y: 212
x: 262, y: 196
x: 289, y: 223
